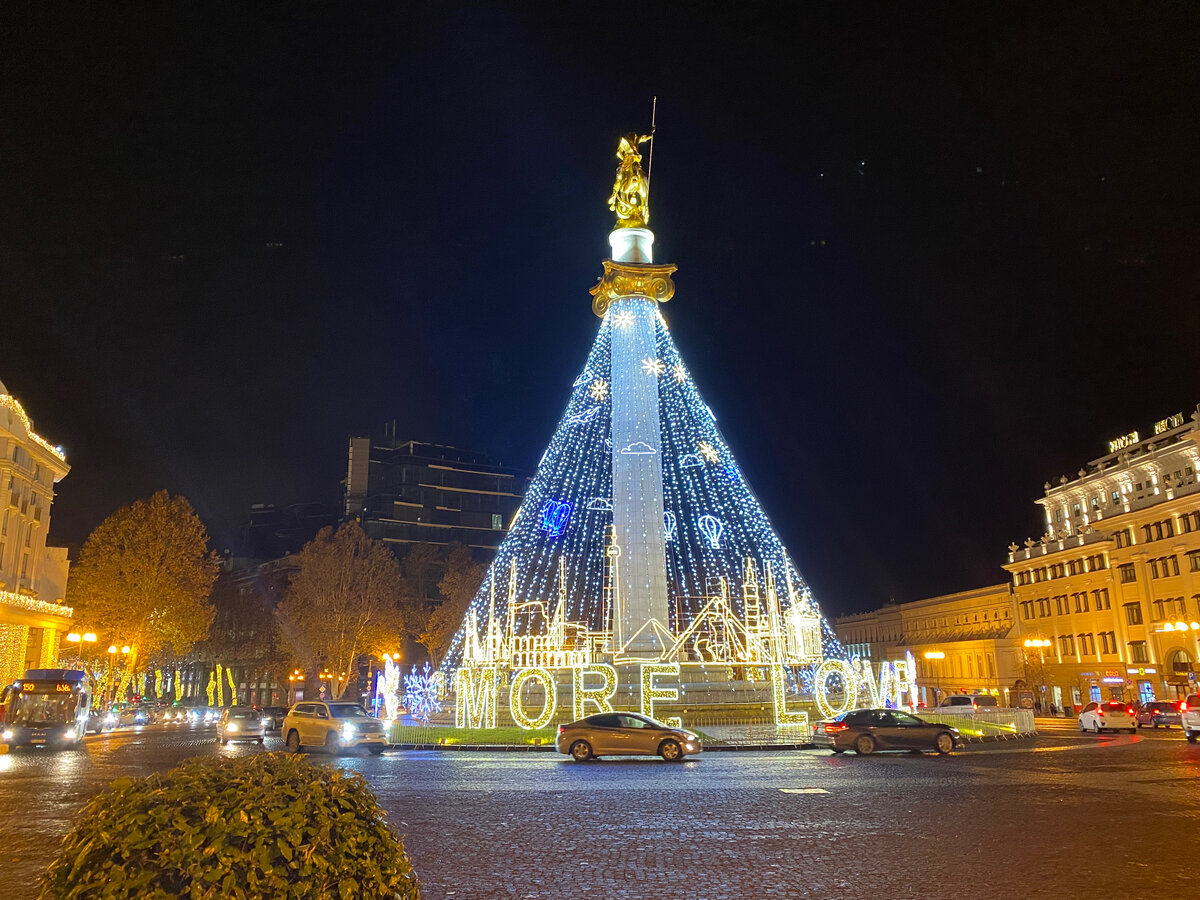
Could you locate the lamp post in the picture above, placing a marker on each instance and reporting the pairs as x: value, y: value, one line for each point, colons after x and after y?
x: 936, y: 656
x: 1041, y: 645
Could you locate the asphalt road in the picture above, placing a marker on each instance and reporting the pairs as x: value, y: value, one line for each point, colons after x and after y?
x: 1063, y: 815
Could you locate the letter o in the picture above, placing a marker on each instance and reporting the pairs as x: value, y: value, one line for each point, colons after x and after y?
x: 849, y: 679
x: 548, y: 707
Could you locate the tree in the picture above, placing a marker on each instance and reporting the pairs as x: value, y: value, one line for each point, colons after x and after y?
x: 458, y: 585
x: 144, y: 577
x: 343, y: 601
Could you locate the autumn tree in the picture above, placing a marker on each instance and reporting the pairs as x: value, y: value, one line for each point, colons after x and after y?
x: 343, y: 601
x: 458, y: 585
x: 143, y: 578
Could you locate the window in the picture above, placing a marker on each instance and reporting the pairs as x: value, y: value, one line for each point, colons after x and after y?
x: 1137, y: 652
x: 1026, y: 609
x: 1173, y: 560
x: 1081, y: 601
x: 497, y: 521
x: 1043, y: 607
x: 1194, y: 561
x: 1100, y: 599
x: 1127, y: 573
x: 1180, y: 607
x: 1108, y: 642
x: 1087, y: 644
x: 1124, y: 538
x: 1075, y: 509
x: 1060, y: 606
x: 1066, y: 644
x: 1116, y: 498
x: 1133, y: 614
x: 1157, y: 612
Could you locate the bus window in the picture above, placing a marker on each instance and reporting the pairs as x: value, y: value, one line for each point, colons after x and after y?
x: 42, y: 709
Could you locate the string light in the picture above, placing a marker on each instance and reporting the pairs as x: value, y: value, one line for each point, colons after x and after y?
x: 600, y: 696
x: 9, y: 401
x: 783, y: 715
x: 549, y: 704
x: 651, y: 693
x: 422, y: 693
x: 475, y: 692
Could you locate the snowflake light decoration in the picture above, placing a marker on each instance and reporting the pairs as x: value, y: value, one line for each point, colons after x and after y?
x: 653, y: 366
x: 421, y: 693
x: 599, y: 389
x: 680, y: 375
x: 623, y: 319
x: 708, y: 451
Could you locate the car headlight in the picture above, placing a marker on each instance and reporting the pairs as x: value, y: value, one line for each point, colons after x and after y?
x: 110, y: 719
x: 69, y: 734
x: 8, y: 735
x: 348, y: 731
x: 232, y: 726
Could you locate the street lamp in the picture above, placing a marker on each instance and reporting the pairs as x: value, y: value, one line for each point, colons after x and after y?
x: 937, y: 691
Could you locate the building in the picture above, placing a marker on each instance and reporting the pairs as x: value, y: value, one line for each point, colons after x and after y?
x: 413, y: 493
x: 1114, y: 582
x: 33, y: 577
x: 965, y: 643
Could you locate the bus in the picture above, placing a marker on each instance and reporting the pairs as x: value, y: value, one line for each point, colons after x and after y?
x: 47, y: 708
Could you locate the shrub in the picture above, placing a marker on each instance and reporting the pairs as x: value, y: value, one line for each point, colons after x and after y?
x: 265, y: 826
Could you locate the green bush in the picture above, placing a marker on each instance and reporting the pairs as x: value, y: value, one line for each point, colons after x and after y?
x: 264, y: 826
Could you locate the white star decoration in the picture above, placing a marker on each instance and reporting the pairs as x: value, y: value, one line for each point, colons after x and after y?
x: 708, y: 451
x: 653, y: 366
x: 624, y: 319
x: 680, y: 375
x: 599, y: 389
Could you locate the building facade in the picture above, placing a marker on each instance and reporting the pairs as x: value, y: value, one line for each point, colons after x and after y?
x: 413, y: 493
x: 965, y: 643
x: 1113, y: 585
x: 33, y: 577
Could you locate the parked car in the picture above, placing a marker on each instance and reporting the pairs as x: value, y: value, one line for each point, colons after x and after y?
x: 867, y: 730
x: 1158, y: 712
x: 1109, y: 715
x: 334, y: 726
x: 274, y: 716
x: 967, y: 704
x: 625, y: 734
x: 1189, y: 717
x: 241, y: 723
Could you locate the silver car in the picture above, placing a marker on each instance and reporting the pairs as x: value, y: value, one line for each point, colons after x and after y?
x: 625, y: 734
x: 241, y: 723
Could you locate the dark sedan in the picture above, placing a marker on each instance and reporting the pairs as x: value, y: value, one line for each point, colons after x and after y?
x: 1159, y: 712
x: 274, y: 716
x: 869, y: 730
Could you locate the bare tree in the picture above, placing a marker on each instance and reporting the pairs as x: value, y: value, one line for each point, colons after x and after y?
x: 343, y: 601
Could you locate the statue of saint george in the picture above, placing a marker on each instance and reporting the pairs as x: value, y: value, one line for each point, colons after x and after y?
x: 630, y: 193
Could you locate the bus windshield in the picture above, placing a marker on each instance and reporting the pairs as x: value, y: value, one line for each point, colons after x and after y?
x: 43, y: 709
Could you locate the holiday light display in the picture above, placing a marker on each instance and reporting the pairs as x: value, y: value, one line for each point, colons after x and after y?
x: 390, y: 690
x: 422, y: 691
x: 640, y: 554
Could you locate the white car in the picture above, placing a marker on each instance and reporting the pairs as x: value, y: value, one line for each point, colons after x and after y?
x: 1109, y: 715
x: 1189, y: 717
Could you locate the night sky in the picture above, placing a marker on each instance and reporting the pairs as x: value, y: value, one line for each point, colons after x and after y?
x: 930, y: 256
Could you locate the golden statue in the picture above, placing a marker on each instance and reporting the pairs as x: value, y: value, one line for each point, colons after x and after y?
x: 630, y: 193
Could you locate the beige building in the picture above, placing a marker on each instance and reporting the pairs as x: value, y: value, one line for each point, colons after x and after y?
x: 965, y: 643
x: 1114, y: 583
x: 33, y: 577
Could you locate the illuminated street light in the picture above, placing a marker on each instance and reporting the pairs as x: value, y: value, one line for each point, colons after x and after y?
x: 112, y: 649
x: 934, y: 654
x: 125, y: 649
x: 90, y: 637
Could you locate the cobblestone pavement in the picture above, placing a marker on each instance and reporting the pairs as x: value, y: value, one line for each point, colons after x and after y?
x: 1063, y: 815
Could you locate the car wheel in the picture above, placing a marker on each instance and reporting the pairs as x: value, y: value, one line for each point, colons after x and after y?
x: 333, y: 743
x: 864, y: 744
x: 375, y: 749
x: 581, y: 751
x: 259, y: 742
x: 944, y: 743
x: 1191, y: 737
x: 670, y: 751
x: 293, y: 741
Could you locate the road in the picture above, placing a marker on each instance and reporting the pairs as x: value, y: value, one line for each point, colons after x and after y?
x: 1063, y: 815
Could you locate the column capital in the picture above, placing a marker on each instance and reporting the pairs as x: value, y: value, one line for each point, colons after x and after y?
x: 632, y: 280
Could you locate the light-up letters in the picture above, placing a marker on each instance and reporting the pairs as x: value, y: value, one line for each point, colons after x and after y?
x: 601, y: 696
x: 549, y: 704
x: 849, y: 676
x: 650, y: 693
x: 475, y: 690
x: 783, y: 715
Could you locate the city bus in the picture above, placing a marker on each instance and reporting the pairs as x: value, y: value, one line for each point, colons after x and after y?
x: 46, y: 708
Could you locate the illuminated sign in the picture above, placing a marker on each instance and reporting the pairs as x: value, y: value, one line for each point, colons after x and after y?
x: 62, y: 688
x: 1168, y: 423
x: 1125, y: 440
x: 1110, y: 680
x: 29, y: 687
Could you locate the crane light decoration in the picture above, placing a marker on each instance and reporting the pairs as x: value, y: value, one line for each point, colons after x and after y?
x: 640, y: 554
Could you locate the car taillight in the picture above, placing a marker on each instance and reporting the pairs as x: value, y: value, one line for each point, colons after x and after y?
x: 1130, y: 710
x: 1183, y: 707
x: 562, y: 728
x: 1100, y: 712
x: 835, y: 727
